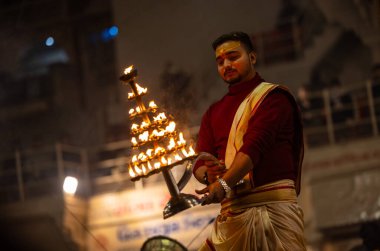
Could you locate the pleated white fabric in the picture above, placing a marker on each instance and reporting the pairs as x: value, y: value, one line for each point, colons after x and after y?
x: 271, y: 227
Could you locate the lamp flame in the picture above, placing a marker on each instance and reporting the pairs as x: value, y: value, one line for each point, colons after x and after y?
x: 134, y: 127
x: 171, y: 127
x: 184, y: 152
x: 128, y: 70
x: 191, y: 151
x: 164, y: 161
x: 142, y: 157
x: 149, y: 152
x: 160, y: 117
x: 134, y: 141
x: 177, y: 157
x: 153, y: 105
x: 144, y: 136
x: 181, y: 141
x: 159, y: 150
x: 137, y: 169
x: 131, y: 173
x: 141, y: 90
x: 143, y: 169
x: 134, y: 158
x: 144, y: 125
x: 149, y: 166
x: 171, y: 144
x: 157, y: 165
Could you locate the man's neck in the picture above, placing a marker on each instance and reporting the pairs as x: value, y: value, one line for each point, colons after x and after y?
x: 246, y: 79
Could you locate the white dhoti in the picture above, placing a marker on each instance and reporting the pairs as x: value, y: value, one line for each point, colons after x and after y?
x: 273, y: 226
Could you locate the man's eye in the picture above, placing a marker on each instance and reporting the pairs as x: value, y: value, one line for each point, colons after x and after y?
x: 233, y: 57
x: 220, y: 62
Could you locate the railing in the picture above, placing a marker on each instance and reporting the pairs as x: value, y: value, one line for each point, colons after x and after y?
x: 336, y: 116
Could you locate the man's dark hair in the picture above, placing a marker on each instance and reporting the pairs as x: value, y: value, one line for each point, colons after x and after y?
x: 234, y: 36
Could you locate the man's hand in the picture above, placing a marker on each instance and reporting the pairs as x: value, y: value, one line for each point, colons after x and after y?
x: 214, y: 170
x: 215, y: 194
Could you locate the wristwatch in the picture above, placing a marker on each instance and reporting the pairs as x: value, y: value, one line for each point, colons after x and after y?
x: 226, y: 188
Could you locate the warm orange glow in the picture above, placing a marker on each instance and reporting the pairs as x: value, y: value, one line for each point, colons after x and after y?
x: 137, y: 170
x: 152, y: 105
x: 149, y: 152
x: 171, y: 144
x: 134, y: 141
x: 134, y: 158
x: 177, y: 157
x: 191, y: 151
x: 131, y: 173
x: 131, y: 95
x: 171, y: 127
x: 181, y: 141
x: 157, y: 134
x: 184, y: 152
x: 149, y: 166
x: 142, y: 157
x: 160, y: 143
x: 128, y: 70
x: 144, y: 125
x: 143, y: 169
x: 164, y: 161
x: 159, y: 150
x: 141, y: 90
x: 144, y: 136
x: 157, y: 165
x: 160, y: 117
x: 134, y: 127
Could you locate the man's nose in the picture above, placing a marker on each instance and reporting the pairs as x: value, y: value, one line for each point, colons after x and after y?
x: 226, y: 63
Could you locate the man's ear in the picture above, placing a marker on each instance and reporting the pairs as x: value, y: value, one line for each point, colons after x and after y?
x: 252, y: 56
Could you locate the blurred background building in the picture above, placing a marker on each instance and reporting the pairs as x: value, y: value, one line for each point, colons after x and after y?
x: 64, y: 113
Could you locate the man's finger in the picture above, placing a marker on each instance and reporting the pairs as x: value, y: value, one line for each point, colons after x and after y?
x: 202, y: 191
x: 210, y: 163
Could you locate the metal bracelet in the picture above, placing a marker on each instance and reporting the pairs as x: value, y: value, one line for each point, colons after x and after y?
x: 226, y: 188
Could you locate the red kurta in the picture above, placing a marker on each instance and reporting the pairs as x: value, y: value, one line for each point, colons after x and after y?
x: 270, y: 137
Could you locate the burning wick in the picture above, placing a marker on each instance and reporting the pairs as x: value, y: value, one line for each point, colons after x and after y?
x: 141, y: 90
x: 128, y: 70
x: 159, y: 118
x: 171, y: 144
x: 134, y: 141
x: 171, y: 127
x: 181, y: 141
x: 131, y: 173
x: 144, y: 136
x: 152, y: 105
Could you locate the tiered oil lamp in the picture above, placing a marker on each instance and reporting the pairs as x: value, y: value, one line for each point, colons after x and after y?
x: 160, y: 147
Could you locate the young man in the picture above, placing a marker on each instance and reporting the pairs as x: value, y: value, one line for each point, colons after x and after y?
x: 251, y: 149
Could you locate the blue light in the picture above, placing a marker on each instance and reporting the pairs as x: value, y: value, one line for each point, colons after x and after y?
x: 113, y: 31
x: 49, y: 41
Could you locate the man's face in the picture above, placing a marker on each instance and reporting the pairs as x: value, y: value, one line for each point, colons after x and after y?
x: 235, y: 64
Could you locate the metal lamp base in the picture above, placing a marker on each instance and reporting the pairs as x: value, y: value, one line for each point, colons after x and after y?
x: 180, y: 203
